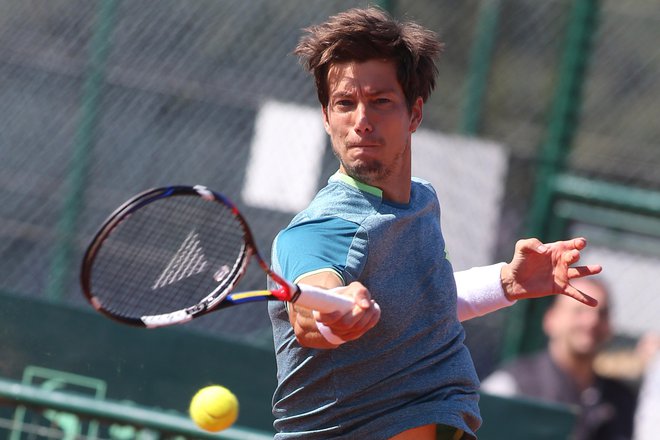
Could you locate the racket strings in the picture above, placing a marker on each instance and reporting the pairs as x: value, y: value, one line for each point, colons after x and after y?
x: 169, y: 255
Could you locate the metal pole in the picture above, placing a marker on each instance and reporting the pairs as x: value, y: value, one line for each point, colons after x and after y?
x: 481, y: 56
x: 523, y: 333
x: 83, y: 143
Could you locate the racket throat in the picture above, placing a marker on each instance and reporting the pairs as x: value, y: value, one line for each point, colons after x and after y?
x: 286, y: 293
x: 295, y: 293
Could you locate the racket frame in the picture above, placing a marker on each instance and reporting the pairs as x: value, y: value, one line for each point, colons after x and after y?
x: 220, y: 297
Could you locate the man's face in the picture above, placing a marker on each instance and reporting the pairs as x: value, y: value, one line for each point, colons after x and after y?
x: 579, y: 329
x: 368, y: 121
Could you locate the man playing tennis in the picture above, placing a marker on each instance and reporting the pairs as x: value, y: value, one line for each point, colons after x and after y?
x: 374, y: 234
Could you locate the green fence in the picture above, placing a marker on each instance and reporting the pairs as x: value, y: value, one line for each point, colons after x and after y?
x: 59, y: 348
x: 102, y: 99
x: 33, y: 412
x: 44, y: 413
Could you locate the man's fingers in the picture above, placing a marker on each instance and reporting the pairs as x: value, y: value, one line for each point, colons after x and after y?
x: 579, y: 243
x: 369, y: 319
x: 361, y: 295
x: 374, y: 317
x: 571, y: 257
x: 573, y: 244
x: 530, y: 245
x: 583, y: 271
x: 578, y: 295
x: 535, y: 245
x: 327, y: 318
x: 354, y: 330
x: 358, y: 292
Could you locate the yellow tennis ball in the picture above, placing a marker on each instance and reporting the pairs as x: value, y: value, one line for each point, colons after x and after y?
x: 214, y: 408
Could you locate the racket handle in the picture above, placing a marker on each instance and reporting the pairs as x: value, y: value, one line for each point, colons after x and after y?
x: 325, y: 301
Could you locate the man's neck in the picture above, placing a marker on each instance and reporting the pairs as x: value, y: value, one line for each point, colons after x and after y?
x: 394, y: 189
x: 399, y: 193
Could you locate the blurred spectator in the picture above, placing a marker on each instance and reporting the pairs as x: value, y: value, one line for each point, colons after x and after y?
x: 564, y: 372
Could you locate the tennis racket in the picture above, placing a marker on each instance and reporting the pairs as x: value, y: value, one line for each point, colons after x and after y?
x: 172, y: 254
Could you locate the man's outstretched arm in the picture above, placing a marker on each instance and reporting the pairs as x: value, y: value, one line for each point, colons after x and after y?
x: 536, y: 270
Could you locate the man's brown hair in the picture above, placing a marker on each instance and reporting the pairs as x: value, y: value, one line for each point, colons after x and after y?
x: 367, y: 34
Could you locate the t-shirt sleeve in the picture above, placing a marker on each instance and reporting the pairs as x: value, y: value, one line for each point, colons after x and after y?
x: 315, y: 246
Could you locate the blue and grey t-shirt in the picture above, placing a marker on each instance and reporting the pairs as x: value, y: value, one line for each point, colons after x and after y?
x: 411, y: 369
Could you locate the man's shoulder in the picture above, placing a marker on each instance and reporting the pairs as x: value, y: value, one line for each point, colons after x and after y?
x: 337, y: 200
x: 423, y: 185
x: 316, y: 241
x: 309, y: 228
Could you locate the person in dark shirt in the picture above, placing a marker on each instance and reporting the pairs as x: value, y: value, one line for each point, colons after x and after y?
x: 564, y: 372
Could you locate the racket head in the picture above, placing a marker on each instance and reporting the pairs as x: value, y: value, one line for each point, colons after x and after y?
x: 167, y: 255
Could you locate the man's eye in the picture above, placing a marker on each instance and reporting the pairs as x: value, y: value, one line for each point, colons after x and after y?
x: 343, y: 103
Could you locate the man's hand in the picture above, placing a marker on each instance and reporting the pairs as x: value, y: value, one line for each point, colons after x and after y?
x: 538, y: 270
x: 353, y: 324
x: 347, y: 326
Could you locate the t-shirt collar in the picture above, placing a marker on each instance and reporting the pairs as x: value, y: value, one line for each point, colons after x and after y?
x: 357, y: 184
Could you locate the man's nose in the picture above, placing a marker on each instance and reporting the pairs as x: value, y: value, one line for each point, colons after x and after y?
x: 362, y: 120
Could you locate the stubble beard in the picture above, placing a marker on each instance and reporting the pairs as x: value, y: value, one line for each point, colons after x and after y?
x: 371, y: 172
x: 367, y: 172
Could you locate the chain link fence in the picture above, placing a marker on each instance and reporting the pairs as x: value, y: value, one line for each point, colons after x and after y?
x: 102, y: 99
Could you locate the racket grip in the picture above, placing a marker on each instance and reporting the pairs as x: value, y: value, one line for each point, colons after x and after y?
x: 323, y: 300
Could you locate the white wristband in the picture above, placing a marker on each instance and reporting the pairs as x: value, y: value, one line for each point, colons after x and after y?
x: 480, y: 291
x: 327, y: 334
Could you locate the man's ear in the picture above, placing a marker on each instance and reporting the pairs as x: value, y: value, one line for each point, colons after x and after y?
x: 326, y: 123
x: 416, y: 114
